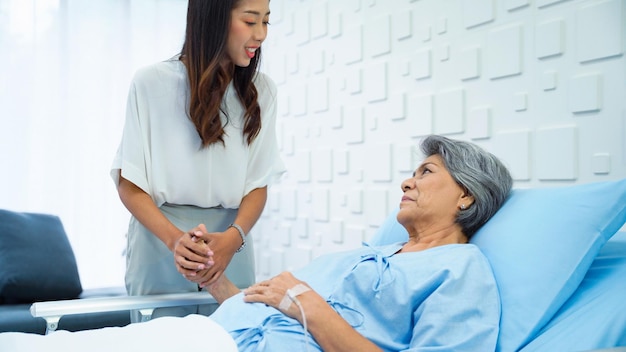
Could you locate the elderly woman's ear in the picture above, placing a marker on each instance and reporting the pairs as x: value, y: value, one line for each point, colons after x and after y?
x: 465, y: 201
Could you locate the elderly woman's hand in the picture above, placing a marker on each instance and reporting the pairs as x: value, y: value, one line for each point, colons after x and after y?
x: 273, y: 292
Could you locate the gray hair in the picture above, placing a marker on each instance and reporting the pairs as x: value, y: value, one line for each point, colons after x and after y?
x: 480, y: 173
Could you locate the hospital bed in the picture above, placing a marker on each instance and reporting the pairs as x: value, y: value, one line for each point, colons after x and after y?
x: 559, y: 258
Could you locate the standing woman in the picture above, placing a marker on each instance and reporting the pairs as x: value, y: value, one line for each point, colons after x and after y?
x: 199, y: 147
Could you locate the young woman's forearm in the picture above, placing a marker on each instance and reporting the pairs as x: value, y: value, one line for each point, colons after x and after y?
x: 141, y: 205
x: 251, y: 208
x: 249, y: 213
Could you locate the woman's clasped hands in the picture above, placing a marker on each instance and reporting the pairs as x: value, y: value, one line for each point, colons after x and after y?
x: 201, y: 257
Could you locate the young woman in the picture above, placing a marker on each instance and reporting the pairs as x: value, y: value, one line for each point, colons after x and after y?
x: 199, y: 147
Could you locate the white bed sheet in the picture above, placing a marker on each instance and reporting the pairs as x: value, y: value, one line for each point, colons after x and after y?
x: 191, y: 333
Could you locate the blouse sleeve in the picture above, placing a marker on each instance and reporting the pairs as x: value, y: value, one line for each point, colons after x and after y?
x: 265, y: 165
x: 131, y: 156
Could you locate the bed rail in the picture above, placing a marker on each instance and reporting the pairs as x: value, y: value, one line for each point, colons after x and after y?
x: 52, y: 311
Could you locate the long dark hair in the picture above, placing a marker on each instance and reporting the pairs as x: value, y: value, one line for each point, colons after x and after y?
x: 203, y: 53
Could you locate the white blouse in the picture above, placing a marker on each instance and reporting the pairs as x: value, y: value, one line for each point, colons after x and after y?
x: 161, y: 151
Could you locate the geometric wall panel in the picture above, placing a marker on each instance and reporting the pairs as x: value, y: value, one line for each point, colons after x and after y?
x: 397, y: 106
x: 317, y: 61
x: 513, y: 148
x: 284, y: 101
x: 516, y: 4
x: 479, y: 122
x: 354, y: 237
x: 288, y: 199
x: 443, y: 52
x: 318, y: 94
x: 355, y: 200
x: 298, y: 257
x: 557, y: 161
x: 520, y: 101
x: 375, y: 79
x: 477, y: 12
x: 403, y: 160
x: 321, y: 204
x: 378, y: 166
x: 303, y: 172
x: 302, y: 22
x: 352, y: 45
x: 549, y: 39
x: 323, y: 164
x: 335, y: 25
x: 420, y: 115
x: 278, y: 69
x: 601, y: 163
x: 424, y: 32
x: 293, y: 62
x: 442, y: 25
x: 585, y: 93
x: 504, y: 51
x: 298, y: 100
x: 354, y: 81
x: 600, y: 30
x: 301, y: 227
x: 285, y: 232
x: 378, y: 34
x: 450, y: 111
x: 544, y: 3
x: 421, y: 64
x: 469, y: 63
x: 376, y: 206
x: 341, y: 162
x: 402, y: 25
x: 354, y: 125
x: 277, y: 260
x: 549, y: 80
x: 319, y: 20
x: 336, y: 231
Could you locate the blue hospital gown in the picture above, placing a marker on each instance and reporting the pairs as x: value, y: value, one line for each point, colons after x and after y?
x: 440, y: 299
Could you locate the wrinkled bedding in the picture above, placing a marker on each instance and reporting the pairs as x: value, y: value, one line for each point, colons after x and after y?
x: 191, y: 333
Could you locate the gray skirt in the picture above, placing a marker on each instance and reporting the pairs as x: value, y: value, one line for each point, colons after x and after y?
x: 150, y: 265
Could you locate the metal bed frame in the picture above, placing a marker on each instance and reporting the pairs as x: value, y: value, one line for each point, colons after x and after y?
x: 53, y: 311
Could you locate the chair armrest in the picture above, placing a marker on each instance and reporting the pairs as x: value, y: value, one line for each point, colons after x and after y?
x: 52, y: 311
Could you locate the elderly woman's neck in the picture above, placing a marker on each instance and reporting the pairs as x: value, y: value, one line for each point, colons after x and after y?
x: 426, y: 240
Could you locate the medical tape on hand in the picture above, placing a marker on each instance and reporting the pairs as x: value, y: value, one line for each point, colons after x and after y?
x: 290, y: 295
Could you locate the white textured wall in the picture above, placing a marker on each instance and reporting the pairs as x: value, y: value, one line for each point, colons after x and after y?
x: 539, y: 83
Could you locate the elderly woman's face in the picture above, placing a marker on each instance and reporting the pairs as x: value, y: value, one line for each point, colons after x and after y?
x: 431, y: 196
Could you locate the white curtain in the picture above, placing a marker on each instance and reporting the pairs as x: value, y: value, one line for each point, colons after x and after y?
x: 65, y: 68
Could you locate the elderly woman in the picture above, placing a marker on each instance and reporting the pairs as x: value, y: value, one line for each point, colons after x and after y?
x: 434, y: 292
